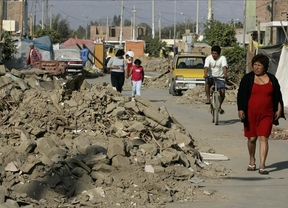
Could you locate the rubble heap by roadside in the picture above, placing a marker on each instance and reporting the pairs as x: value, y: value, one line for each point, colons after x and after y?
x: 66, y: 143
x: 197, y: 95
x: 155, y: 64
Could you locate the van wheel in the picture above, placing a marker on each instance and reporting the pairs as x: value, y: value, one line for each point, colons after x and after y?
x: 172, y: 88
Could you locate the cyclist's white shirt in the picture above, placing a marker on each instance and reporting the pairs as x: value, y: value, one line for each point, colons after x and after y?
x: 215, y: 67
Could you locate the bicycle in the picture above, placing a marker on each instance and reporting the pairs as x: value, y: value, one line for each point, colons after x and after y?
x: 215, y: 101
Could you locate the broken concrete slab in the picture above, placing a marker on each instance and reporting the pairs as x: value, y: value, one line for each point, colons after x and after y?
x: 210, y: 156
x: 2, y: 70
x: 17, y: 73
x: 115, y: 147
x: 156, y: 116
x: 120, y: 162
x: 3, y: 191
x: 12, y: 167
x: 27, y: 146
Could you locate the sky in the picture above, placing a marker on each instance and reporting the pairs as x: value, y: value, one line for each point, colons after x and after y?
x: 82, y: 12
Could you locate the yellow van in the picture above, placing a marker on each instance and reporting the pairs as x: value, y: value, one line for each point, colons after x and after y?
x: 187, y: 71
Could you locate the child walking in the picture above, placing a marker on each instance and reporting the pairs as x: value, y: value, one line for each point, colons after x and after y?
x: 137, y: 78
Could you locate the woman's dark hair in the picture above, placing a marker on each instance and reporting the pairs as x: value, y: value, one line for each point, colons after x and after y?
x: 217, y: 49
x: 120, y: 53
x: 137, y: 61
x: 263, y: 59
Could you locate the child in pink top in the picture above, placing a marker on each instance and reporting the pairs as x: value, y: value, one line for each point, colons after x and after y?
x: 137, y: 78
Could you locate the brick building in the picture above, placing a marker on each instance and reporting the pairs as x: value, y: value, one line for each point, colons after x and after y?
x: 13, y: 10
x: 112, y: 33
x: 265, y: 17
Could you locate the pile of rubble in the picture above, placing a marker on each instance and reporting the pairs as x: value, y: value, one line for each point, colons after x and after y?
x: 155, y: 64
x: 197, y: 96
x: 160, y: 82
x: 66, y: 143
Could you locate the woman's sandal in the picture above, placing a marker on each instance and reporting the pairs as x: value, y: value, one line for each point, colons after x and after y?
x: 251, y: 168
x: 263, y: 172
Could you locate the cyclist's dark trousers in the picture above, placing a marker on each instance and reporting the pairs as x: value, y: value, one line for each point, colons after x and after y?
x: 117, y: 80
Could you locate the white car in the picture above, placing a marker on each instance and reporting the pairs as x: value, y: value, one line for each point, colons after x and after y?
x: 72, y: 59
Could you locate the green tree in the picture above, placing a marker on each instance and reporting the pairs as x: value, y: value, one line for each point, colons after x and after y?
x: 127, y: 22
x: 8, y: 48
x: 148, y: 29
x: 60, y: 26
x: 54, y: 35
x: 168, y: 32
x: 153, y: 45
x: 116, y: 20
x: 236, y: 59
x: 217, y: 33
x: 79, y: 33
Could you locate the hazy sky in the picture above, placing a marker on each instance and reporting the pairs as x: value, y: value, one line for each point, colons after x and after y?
x: 79, y: 12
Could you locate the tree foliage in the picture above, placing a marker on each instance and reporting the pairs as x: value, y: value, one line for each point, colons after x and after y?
x: 116, y: 20
x: 153, y: 45
x: 54, y: 35
x: 79, y: 33
x: 222, y: 34
x: 236, y: 59
x: 59, y: 32
x: 8, y: 48
x: 148, y: 29
x: 168, y: 32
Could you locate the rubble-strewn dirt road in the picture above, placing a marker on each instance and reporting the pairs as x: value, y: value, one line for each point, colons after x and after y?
x: 68, y: 143
x: 232, y: 185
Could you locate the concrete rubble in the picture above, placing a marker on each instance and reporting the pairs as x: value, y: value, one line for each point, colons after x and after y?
x: 66, y: 143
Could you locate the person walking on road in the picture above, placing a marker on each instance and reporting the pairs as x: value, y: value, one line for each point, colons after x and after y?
x: 260, y: 105
x: 137, y: 78
x: 215, y: 66
x: 129, y: 62
x: 118, y: 68
x: 33, y: 56
x: 84, y: 53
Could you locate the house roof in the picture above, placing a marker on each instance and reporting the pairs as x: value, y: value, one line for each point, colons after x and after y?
x: 74, y: 41
x: 274, y: 24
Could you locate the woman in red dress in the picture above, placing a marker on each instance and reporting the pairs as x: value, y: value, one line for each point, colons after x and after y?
x: 260, y: 105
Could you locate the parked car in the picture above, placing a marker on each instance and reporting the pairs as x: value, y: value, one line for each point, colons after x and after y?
x: 72, y: 59
x: 187, y: 71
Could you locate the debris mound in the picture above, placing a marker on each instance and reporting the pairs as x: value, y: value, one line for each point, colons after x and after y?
x: 66, y: 143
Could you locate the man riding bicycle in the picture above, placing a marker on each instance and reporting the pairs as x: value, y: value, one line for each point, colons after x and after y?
x: 215, y: 66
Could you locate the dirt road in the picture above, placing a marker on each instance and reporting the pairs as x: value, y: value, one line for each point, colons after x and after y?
x: 237, y: 187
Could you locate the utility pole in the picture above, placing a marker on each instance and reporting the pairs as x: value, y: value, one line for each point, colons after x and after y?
x: 31, y: 24
x: 34, y: 19
x: 1, y: 20
x: 107, y: 29
x: 159, y: 25
x: 43, y: 14
x: 174, y: 46
x: 46, y: 12
x: 25, y: 17
x: 86, y: 28
x: 271, y: 19
x: 121, y: 23
x: 134, y: 23
x: 197, y: 18
x: 244, y: 23
x: 209, y: 17
x: 153, y: 15
x: 131, y: 27
x: 51, y: 17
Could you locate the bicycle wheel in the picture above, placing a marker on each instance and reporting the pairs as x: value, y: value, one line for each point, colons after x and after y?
x: 216, y: 98
x: 212, y: 110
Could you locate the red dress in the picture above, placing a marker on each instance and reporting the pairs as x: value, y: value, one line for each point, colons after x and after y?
x: 260, y: 111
